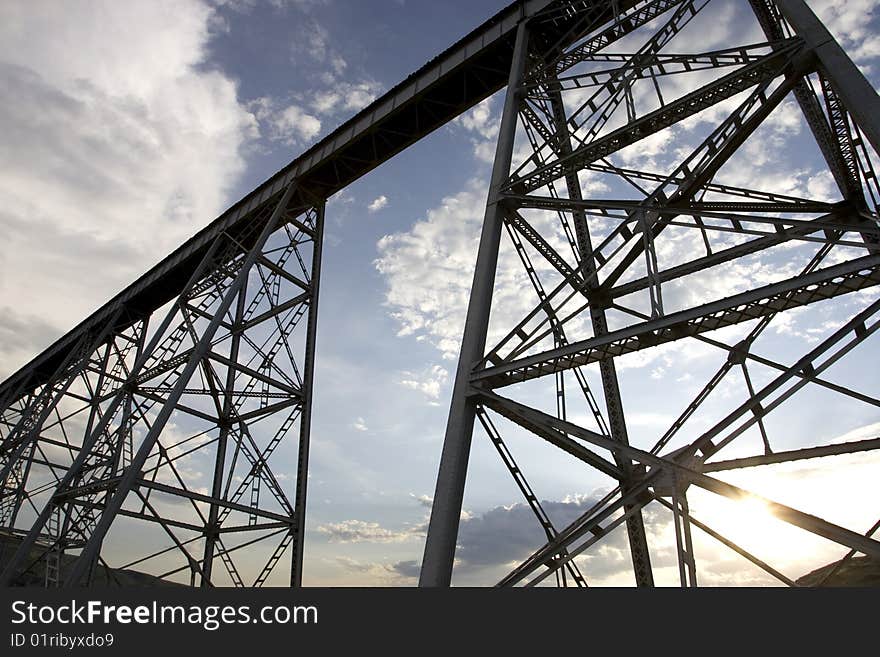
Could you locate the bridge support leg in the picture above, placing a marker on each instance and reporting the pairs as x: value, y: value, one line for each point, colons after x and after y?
x: 449, y: 492
x: 302, y: 466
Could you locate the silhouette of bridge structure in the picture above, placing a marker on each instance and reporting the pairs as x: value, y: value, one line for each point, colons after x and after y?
x: 219, y: 337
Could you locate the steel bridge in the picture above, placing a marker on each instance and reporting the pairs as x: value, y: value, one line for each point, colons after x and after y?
x: 221, y: 333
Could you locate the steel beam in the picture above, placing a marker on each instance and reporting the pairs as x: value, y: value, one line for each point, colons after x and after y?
x: 302, y: 468
x: 795, y: 517
x: 635, y: 526
x: 793, y: 455
x: 446, y: 509
x: 854, y: 275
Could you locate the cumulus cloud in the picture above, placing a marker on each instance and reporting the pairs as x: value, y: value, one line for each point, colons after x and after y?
x: 509, y: 534
x: 423, y: 500
x: 289, y: 124
x: 481, y: 122
x: 22, y: 334
x: 293, y: 125
x: 359, y: 531
x: 374, y: 573
x: 378, y: 203
x: 429, y: 382
x: 119, y: 141
x: 249, y: 5
x: 491, y: 542
x: 441, y: 249
x: 853, y: 24
x: 340, y: 96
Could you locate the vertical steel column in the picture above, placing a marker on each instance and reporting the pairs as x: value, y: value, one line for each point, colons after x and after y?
x: 443, y: 527
x: 52, y: 394
x: 305, y: 419
x: 212, y: 528
x: 124, y: 433
x: 635, y: 524
x: 687, y: 566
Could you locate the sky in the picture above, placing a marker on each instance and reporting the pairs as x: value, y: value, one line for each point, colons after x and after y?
x: 128, y: 126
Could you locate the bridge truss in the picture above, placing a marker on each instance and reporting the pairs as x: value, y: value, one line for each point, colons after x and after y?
x: 608, y: 277
x: 206, y: 362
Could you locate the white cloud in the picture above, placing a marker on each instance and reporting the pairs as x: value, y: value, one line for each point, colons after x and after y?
x: 290, y: 125
x: 359, y: 424
x: 429, y: 382
x: 775, y: 159
x: 293, y: 125
x: 372, y: 573
x: 21, y: 335
x: 340, y: 96
x: 851, y: 23
x: 482, y: 122
x: 442, y: 245
x: 423, y: 500
x: 359, y: 531
x: 378, y: 203
x: 119, y: 145
x: 312, y: 40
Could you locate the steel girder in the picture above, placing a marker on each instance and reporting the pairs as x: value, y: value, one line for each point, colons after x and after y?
x: 461, y: 76
x: 579, y: 106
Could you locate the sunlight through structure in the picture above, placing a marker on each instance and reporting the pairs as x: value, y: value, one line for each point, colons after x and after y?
x: 206, y: 363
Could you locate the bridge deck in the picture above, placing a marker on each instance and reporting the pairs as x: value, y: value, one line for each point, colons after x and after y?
x: 466, y: 73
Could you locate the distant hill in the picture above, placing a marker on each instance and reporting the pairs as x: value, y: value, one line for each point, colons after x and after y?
x: 858, y: 571
x: 36, y: 573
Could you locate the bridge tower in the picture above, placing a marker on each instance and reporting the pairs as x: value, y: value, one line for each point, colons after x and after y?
x: 611, y: 278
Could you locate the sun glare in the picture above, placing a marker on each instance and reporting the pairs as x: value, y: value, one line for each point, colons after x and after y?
x: 749, y: 523
x: 825, y: 489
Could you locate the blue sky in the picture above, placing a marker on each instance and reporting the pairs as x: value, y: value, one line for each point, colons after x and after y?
x: 135, y: 124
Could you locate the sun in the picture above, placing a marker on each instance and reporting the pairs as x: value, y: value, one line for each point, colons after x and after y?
x: 749, y: 522
x: 754, y: 513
